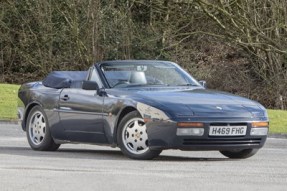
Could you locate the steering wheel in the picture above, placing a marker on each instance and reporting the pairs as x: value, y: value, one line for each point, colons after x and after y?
x: 121, y: 82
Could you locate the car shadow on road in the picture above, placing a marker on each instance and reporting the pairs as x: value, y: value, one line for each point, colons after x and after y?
x: 96, y: 154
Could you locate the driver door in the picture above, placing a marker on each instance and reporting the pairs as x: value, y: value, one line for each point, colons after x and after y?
x: 81, y: 115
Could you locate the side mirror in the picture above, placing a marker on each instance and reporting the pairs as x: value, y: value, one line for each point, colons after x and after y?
x: 203, y: 83
x: 90, y: 85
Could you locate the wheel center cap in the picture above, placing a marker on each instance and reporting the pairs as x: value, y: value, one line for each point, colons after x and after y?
x: 137, y: 135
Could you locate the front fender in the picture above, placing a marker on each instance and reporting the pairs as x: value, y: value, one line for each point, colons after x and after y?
x: 151, y: 113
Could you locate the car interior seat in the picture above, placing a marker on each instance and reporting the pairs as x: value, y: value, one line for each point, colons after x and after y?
x: 138, y: 77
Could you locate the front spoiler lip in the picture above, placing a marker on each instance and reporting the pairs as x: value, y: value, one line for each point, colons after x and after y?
x: 207, y: 147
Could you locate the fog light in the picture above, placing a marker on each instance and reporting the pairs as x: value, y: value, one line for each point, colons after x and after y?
x: 190, y: 124
x: 189, y: 131
x: 259, y: 131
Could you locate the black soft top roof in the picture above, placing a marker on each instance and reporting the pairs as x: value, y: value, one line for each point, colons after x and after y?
x: 63, y: 79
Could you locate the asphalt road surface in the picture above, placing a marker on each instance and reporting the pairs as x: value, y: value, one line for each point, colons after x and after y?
x: 89, y: 167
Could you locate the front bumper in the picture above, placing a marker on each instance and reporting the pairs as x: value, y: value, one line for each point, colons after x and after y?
x: 162, y: 135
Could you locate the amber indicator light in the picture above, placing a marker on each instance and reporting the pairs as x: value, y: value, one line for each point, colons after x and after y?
x: 260, y: 124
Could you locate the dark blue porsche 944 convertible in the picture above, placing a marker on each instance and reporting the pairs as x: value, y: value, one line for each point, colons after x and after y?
x: 143, y: 107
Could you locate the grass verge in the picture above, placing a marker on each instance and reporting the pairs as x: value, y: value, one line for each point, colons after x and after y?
x: 9, y: 99
x: 278, y: 121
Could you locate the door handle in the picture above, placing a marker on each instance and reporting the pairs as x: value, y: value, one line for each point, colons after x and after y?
x: 65, y: 98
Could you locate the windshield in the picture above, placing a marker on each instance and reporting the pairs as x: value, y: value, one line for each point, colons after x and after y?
x: 145, y: 74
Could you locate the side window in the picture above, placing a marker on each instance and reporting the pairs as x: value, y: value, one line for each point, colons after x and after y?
x: 94, y: 76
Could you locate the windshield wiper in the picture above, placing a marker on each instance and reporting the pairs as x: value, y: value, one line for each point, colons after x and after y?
x: 145, y: 85
x: 188, y: 84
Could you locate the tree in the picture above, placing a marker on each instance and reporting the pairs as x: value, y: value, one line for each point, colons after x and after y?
x: 260, y: 28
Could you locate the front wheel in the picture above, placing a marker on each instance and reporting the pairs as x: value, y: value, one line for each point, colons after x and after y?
x: 133, y: 139
x: 239, y: 154
x: 38, y: 132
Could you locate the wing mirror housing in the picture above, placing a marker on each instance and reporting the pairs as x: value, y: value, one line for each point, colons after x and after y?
x: 90, y: 85
x: 203, y: 83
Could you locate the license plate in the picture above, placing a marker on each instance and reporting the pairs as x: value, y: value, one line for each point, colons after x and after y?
x: 227, y: 130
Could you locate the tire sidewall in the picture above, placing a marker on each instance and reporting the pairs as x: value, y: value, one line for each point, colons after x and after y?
x: 242, y: 154
x: 149, y: 154
x: 47, y: 138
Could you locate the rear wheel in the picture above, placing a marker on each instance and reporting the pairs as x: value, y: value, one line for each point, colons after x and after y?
x: 38, y: 132
x: 132, y: 138
x: 239, y: 154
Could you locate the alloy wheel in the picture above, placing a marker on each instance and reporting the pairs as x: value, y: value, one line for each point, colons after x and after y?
x: 37, y: 128
x: 135, y: 137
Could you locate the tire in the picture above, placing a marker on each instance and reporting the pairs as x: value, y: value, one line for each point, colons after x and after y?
x: 239, y: 154
x: 132, y: 138
x: 38, y: 132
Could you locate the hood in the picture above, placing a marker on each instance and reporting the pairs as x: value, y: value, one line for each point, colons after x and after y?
x: 191, y: 102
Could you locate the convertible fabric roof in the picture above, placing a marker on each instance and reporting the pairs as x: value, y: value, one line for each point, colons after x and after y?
x: 63, y: 79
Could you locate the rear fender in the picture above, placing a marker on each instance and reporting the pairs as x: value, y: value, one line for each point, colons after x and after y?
x: 27, y: 111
